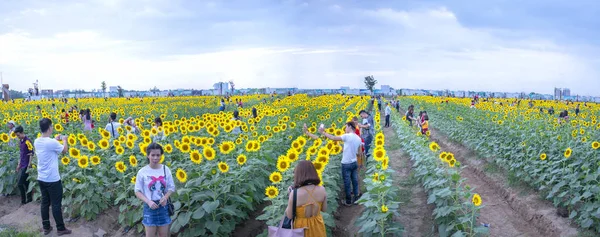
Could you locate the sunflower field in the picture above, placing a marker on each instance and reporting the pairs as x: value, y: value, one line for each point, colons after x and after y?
x: 224, y: 168
x: 559, y: 158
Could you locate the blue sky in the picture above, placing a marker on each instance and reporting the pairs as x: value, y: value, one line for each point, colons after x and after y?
x: 495, y: 45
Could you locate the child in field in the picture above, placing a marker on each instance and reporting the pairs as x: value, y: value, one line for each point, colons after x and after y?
x: 424, y: 122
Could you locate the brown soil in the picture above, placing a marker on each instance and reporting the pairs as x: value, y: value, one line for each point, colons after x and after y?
x: 509, y: 211
x: 9, y: 204
x: 27, y: 218
x: 415, y: 215
x: 345, y: 217
x: 252, y: 226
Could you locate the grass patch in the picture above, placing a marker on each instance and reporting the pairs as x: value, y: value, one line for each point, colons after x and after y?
x: 491, y: 168
x: 10, y: 232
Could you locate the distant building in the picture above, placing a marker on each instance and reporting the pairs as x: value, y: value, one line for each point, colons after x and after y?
x: 221, y: 88
x: 566, y: 92
x: 386, y: 89
x: 113, y: 89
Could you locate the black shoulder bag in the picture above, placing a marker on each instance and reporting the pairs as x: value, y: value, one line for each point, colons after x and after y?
x: 170, y: 206
x: 287, y: 222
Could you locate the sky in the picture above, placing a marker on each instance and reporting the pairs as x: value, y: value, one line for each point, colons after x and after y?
x: 492, y: 45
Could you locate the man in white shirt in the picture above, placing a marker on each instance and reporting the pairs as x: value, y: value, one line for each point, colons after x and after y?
x: 388, y: 112
x: 352, y: 148
x: 113, y: 126
x: 47, y: 151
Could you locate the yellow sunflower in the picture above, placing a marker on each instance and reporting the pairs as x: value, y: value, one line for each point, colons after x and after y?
x: 120, y: 166
x: 119, y: 150
x: 133, y: 161
x: 476, y: 200
x: 543, y: 156
x: 319, y: 166
x: 271, y: 192
x: 58, y: 127
x: 595, y: 145
x: 568, y: 152
x: 379, y: 154
x: 185, y: 147
x: 196, y: 157
x: 226, y: 147
x: 95, y: 160
x: 452, y: 162
x: 181, y: 175
x: 241, y: 159
x: 434, y: 146
x: 223, y: 167
x: 74, y: 152
x: 168, y: 148
x: 275, y: 177
x: 375, y: 177
x: 65, y: 160
x: 282, y: 165
x: 209, y: 153
x: 83, y: 162
x: 133, y: 179
x: 384, y: 209
x: 103, y: 144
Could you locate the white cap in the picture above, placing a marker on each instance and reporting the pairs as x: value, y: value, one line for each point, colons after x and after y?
x: 12, y: 122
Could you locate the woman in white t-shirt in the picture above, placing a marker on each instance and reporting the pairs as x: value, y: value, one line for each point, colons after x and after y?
x: 154, y: 185
x: 352, y: 149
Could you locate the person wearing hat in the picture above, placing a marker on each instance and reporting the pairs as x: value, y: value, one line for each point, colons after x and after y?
x: 11, y: 128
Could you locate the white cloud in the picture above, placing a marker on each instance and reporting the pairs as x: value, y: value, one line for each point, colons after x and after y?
x: 426, y: 48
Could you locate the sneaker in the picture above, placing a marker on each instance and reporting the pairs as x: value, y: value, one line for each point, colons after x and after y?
x: 347, y: 204
x: 47, y: 231
x: 63, y: 232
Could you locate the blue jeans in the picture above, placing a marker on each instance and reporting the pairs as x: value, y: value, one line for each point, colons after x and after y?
x: 368, y: 141
x: 350, y: 171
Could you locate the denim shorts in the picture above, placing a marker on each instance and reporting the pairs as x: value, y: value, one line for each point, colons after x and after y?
x: 157, y: 217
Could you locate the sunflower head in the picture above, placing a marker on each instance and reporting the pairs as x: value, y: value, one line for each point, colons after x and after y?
x: 241, y: 159
x: 209, y: 153
x: 133, y: 161
x: 223, y: 167
x: 196, y: 157
x: 543, y: 156
x: 275, y: 177
x: 65, y: 160
x: 595, y: 145
x: 95, y: 160
x: 282, y: 165
x: 271, y: 192
x: 74, y: 152
x: 568, y: 152
x: 119, y: 150
x: 181, y: 175
x: 476, y: 200
x: 83, y: 162
x: 120, y: 166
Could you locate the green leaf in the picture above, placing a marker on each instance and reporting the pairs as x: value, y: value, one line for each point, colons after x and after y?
x: 198, y: 214
x: 209, y: 207
x: 573, y: 214
x: 213, y: 226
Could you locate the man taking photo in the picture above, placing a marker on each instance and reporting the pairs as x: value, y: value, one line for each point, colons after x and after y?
x: 47, y: 151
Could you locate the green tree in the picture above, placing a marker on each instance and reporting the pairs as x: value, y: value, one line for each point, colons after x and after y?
x: 103, y: 88
x: 370, y: 83
x: 120, y: 91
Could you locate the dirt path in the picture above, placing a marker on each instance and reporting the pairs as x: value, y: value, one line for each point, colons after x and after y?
x: 252, y: 226
x: 415, y: 215
x: 9, y: 204
x: 509, y: 212
x: 27, y: 219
